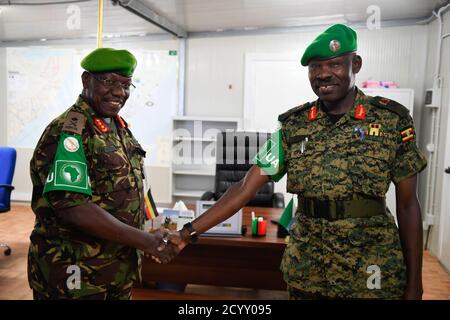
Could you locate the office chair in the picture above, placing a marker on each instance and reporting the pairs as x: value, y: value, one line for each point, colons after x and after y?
x: 7, y: 166
x: 234, y: 154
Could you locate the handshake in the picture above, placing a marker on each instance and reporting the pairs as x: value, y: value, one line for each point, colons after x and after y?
x: 164, y: 245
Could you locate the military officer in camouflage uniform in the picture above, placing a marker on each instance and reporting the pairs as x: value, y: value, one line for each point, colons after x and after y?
x: 340, y: 154
x: 87, y: 174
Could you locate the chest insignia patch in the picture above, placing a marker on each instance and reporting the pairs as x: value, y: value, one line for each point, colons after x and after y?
x: 360, y: 113
x: 100, y: 125
x: 375, y: 130
x: 312, y: 114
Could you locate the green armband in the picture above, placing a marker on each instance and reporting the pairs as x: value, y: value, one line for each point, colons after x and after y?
x: 69, y: 171
x: 270, y: 157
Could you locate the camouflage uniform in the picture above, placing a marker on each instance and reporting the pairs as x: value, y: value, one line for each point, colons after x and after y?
x: 333, y: 257
x: 115, y: 167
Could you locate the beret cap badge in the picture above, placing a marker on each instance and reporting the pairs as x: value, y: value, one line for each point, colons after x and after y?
x: 334, y: 45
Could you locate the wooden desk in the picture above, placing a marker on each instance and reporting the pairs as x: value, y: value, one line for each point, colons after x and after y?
x: 250, y: 262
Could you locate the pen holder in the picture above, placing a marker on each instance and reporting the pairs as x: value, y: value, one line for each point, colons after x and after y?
x: 262, y: 228
x: 254, y: 227
x: 259, y: 227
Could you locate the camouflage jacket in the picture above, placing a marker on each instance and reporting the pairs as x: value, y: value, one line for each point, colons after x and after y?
x: 115, y: 167
x: 357, y: 157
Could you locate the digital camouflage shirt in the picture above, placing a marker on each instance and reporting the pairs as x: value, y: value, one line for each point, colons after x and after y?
x: 355, y: 158
x: 115, y: 183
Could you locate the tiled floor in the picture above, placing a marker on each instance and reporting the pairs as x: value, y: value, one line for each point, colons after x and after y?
x: 16, y: 225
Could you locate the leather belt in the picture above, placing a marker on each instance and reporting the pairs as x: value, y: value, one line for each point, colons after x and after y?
x: 341, y: 209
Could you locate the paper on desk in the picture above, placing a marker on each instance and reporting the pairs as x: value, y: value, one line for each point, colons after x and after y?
x: 179, y: 205
x: 173, y: 219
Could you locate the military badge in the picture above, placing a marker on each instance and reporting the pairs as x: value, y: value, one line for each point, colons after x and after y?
x: 100, y: 125
x: 374, y: 130
x: 74, y: 123
x: 408, y: 134
x: 334, y: 45
x: 362, y: 132
x: 312, y: 114
x: 360, y: 113
x: 121, y: 122
x: 71, y: 144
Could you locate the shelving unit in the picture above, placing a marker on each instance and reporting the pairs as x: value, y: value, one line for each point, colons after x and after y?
x: 194, y: 154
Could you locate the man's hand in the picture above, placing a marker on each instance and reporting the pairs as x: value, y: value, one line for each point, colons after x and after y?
x: 171, y: 244
x: 160, y: 249
x: 176, y: 239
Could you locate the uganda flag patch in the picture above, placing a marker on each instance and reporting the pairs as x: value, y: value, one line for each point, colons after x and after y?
x: 408, y: 134
x: 150, y: 208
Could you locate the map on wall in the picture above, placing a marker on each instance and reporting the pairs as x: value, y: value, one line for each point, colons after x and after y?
x: 43, y: 82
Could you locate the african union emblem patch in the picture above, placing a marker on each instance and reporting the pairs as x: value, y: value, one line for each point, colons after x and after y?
x: 69, y: 171
x: 71, y: 174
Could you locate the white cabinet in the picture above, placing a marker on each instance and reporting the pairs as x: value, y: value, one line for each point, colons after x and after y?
x: 194, y: 154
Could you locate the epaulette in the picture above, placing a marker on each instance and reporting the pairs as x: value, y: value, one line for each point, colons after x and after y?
x: 390, y: 105
x: 74, y: 122
x: 299, y: 108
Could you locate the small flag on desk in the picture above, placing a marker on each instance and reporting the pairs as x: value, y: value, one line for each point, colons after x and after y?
x: 286, y: 218
x: 150, y: 208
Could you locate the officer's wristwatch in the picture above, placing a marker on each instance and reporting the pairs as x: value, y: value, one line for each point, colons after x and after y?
x: 191, y: 231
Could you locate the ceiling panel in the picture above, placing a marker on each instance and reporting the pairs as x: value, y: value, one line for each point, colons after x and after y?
x: 20, y: 22
x: 211, y: 15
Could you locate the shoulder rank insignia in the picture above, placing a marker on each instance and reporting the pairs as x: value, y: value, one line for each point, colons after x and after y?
x: 360, y: 112
x: 74, y: 122
x: 100, y: 125
x: 390, y: 105
x: 408, y: 134
x: 282, y: 117
x: 312, y: 114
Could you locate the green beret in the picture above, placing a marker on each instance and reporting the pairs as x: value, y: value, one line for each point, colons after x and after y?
x: 110, y: 60
x: 336, y: 40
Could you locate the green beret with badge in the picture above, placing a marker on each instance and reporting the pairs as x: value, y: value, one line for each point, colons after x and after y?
x: 122, y: 62
x: 335, y: 41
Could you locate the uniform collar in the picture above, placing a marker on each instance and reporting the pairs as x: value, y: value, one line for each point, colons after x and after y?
x: 91, y: 115
x: 86, y: 108
x: 360, y: 100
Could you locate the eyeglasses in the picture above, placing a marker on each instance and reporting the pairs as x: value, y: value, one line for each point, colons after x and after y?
x: 111, y: 84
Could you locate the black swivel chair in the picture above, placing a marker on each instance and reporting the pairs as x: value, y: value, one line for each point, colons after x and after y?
x: 7, y: 166
x: 234, y: 155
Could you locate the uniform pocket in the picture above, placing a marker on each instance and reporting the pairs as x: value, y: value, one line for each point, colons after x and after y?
x: 137, y: 155
x: 304, y: 163
x: 111, y: 168
x: 370, y: 168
